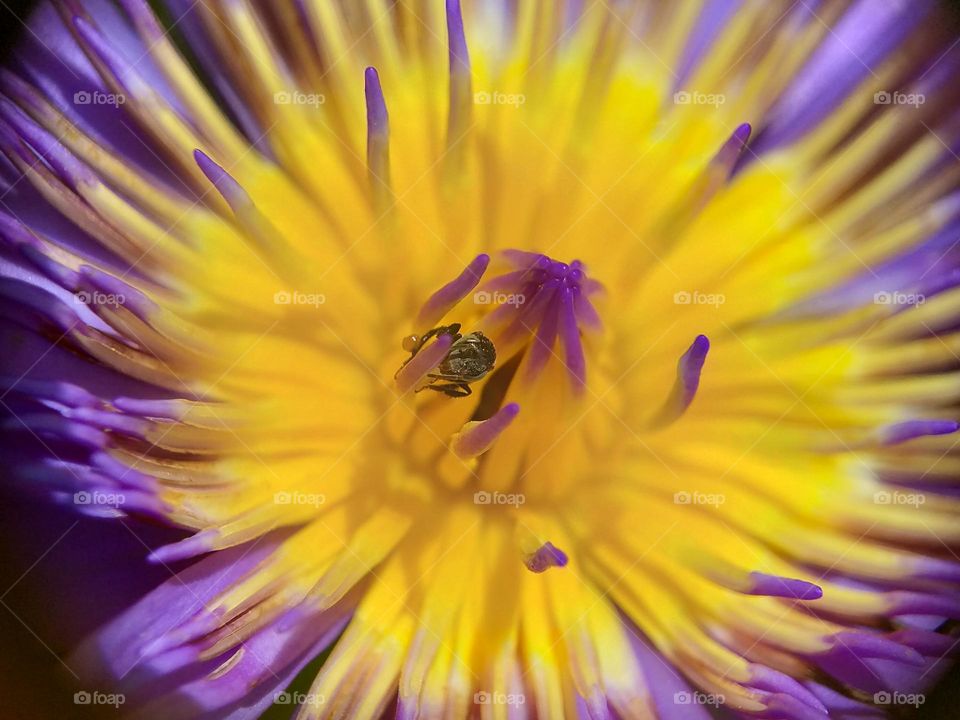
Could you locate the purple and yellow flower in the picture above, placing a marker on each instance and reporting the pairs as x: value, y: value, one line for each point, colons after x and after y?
x: 714, y: 245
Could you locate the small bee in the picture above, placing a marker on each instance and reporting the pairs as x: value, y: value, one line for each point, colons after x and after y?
x: 469, y: 359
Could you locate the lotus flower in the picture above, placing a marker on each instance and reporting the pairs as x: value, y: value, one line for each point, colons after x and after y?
x: 505, y: 360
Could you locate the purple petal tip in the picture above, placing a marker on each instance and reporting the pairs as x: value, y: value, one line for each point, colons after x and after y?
x: 726, y: 158
x: 422, y: 363
x: 377, y: 117
x: 770, y: 680
x: 457, y: 39
x: 444, y: 299
x: 189, y: 547
x: 871, y: 645
x: 913, y: 429
x: 777, y: 586
x: 225, y: 184
x: 481, y: 436
x: 689, y: 368
x: 546, y: 556
x: 211, y: 169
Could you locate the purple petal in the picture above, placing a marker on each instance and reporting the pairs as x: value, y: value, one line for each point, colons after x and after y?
x: 423, y: 362
x: 229, y: 188
x: 912, y: 429
x: 461, y: 92
x: 198, y: 544
x: 770, y: 680
x: 444, y: 299
x: 776, y: 586
x: 378, y: 132
x: 574, y: 359
x: 541, y: 349
x: 666, y: 684
x: 866, y: 34
x: 546, y: 557
x: 685, y: 387
x: 481, y: 437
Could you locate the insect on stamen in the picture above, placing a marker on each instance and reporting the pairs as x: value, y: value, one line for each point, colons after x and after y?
x: 470, y: 358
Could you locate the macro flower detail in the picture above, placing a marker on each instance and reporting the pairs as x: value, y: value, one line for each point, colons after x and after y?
x: 499, y: 360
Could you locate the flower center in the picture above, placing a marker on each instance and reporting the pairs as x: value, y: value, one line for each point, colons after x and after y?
x: 508, y: 382
x: 496, y: 362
